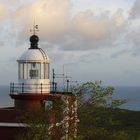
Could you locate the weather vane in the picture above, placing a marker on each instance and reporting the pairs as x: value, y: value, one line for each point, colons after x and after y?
x: 35, y: 28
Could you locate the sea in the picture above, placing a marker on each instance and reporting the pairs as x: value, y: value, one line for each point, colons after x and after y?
x: 131, y: 94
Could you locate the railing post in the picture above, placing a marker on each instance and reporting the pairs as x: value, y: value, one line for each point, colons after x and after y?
x: 13, y: 88
x: 55, y: 86
x: 41, y: 88
x: 68, y: 85
x: 53, y: 80
x: 22, y: 87
x: 10, y: 88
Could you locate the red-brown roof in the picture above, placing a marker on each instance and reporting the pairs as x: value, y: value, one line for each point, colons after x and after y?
x: 9, y: 115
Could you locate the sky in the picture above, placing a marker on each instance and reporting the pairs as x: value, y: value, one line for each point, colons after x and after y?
x: 92, y: 39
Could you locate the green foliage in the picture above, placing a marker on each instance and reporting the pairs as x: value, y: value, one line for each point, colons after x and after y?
x: 107, y: 124
x: 100, y: 118
x: 77, y: 138
x: 37, y: 125
x: 94, y: 93
x: 37, y: 121
x: 116, y: 103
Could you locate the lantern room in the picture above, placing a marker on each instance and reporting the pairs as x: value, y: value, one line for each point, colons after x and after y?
x: 34, y: 67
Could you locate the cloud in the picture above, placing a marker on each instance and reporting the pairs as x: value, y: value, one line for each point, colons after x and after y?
x: 90, y: 31
x: 4, y: 12
x: 132, y: 33
x: 52, y: 17
x: 83, y: 31
x: 119, y: 53
x: 135, y: 10
x: 133, y: 37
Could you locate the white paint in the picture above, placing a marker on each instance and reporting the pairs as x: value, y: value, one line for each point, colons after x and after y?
x: 34, y: 85
x: 5, y: 124
x: 34, y: 55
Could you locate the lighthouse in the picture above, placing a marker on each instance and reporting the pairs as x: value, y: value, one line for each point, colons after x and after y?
x: 34, y: 91
x: 33, y: 77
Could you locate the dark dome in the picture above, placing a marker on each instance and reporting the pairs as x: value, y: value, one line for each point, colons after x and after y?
x: 34, y: 39
x: 34, y: 42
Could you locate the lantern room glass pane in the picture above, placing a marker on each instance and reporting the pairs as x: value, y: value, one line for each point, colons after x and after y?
x: 21, y: 71
x: 34, y: 70
x: 24, y: 71
x: 33, y: 73
x: 46, y: 71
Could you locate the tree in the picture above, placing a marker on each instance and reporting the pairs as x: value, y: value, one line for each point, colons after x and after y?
x: 36, y: 122
x: 98, y: 113
x: 93, y: 93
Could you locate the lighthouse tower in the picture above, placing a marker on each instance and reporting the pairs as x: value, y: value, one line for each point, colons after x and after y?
x: 33, y: 68
x: 33, y: 77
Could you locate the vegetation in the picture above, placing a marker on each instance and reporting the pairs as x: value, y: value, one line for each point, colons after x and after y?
x: 107, y: 124
x: 38, y: 121
x: 92, y: 93
x: 99, y: 115
x: 100, y: 119
x: 37, y: 125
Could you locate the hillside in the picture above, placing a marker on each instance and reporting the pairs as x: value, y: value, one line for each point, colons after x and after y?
x: 108, y: 124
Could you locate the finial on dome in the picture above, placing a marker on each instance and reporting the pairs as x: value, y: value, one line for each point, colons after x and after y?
x: 34, y: 42
x: 35, y: 28
x: 34, y: 38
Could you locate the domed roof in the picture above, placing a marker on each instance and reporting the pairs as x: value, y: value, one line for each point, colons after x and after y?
x: 34, y: 55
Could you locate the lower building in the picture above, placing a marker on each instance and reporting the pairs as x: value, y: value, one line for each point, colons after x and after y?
x: 62, y: 122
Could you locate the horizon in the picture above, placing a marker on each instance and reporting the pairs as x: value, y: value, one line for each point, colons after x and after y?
x: 131, y: 94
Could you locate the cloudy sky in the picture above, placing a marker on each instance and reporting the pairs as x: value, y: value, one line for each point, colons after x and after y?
x: 92, y: 39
